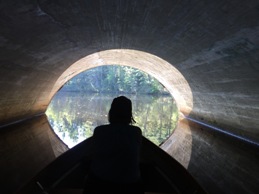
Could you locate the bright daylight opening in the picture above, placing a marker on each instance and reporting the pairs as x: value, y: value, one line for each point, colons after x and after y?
x: 84, y: 101
x: 157, y: 68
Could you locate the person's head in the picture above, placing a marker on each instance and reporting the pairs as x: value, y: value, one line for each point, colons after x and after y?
x: 121, y: 111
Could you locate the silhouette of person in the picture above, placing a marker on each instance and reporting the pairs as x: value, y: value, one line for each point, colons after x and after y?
x: 116, y: 153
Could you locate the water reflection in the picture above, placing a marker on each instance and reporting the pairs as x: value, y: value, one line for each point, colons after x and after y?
x: 73, y: 116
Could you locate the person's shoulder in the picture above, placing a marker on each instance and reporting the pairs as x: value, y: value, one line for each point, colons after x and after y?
x: 101, y: 127
x: 135, y: 128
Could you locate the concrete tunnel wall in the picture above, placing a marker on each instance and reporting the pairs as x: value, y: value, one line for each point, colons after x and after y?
x: 211, y: 45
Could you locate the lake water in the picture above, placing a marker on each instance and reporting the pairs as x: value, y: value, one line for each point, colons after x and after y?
x: 73, y: 116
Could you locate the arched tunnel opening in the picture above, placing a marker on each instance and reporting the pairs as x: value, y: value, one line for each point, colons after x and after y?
x: 205, y: 54
x: 82, y: 103
x: 158, y: 68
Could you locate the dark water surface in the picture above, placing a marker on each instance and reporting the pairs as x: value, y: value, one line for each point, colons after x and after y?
x: 73, y: 116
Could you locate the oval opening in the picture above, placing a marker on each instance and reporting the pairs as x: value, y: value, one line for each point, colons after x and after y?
x: 84, y: 101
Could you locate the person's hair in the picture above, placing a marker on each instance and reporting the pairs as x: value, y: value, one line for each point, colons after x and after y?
x: 121, y: 111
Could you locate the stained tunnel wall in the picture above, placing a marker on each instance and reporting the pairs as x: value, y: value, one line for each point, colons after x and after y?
x: 214, y: 45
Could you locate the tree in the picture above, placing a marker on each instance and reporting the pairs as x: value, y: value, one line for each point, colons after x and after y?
x: 114, y: 79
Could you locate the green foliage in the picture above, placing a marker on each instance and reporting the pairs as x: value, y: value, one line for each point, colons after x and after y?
x: 115, y: 79
x: 75, y: 115
x: 84, y: 101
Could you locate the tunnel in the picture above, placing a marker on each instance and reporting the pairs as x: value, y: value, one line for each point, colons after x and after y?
x: 205, y: 53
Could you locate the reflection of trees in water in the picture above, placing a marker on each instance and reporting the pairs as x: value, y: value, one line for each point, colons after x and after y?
x: 76, y: 115
x: 157, y: 119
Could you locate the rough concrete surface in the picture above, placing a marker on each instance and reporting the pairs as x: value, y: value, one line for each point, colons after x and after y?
x: 207, y: 57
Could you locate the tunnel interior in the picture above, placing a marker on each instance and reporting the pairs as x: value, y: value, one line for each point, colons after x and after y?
x: 204, y: 53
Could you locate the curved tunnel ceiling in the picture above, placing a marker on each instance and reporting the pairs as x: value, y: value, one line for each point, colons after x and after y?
x: 213, y: 45
x: 164, y: 72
